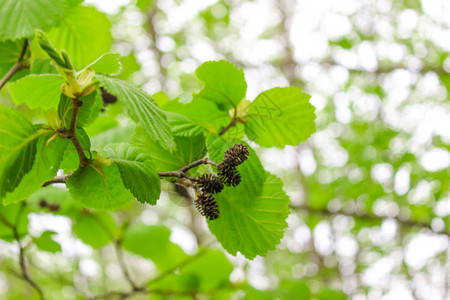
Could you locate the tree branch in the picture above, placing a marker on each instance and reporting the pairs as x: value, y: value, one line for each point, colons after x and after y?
x: 16, y: 67
x: 58, y: 179
x: 124, y: 295
x: 23, y: 270
x: 84, y: 161
x: 370, y: 217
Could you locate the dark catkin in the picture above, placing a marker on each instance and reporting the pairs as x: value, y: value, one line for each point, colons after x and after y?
x: 238, y: 153
x: 207, y: 206
x: 210, y: 183
x: 226, y: 170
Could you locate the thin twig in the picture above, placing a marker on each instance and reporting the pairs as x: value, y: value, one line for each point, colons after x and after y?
x: 58, y: 179
x: 24, y: 273
x: 123, y: 266
x: 228, y: 127
x: 181, y: 173
x: 124, y: 295
x: 16, y: 67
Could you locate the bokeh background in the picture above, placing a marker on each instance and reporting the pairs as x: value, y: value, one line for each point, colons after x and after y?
x: 370, y: 192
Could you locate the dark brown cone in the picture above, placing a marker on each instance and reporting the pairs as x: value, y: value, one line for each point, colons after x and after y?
x: 239, y: 153
x: 228, y: 173
x: 207, y: 206
x: 210, y: 183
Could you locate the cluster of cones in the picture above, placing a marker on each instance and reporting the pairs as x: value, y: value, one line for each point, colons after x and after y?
x: 227, y: 174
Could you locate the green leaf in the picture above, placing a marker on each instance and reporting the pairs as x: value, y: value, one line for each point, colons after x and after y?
x: 212, y: 268
x: 37, y: 91
x: 293, y: 290
x: 137, y: 171
x: 329, y: 294
x: 206, y: 271
x: 141, y: 108
x: 46, y: 243
x: 95, y: 190
x: 108, y: 63
x: 252, y: 171
x: 87, y: 113
x: 18, y: 139
x: 223, y: 83
x: 9, y: 53
x: 42, y: 66
x: 196, y: 116
x: 95, y: 229
x: 254, y: 294
x: 84, y: 33
x: 46, y: 164
x: 182, y: 125
x: 280, y: 117
x: 15, y: 215
x: 252, y: 225
x: 188, y: 149
x: 153, y: 242
x: 19, y: 18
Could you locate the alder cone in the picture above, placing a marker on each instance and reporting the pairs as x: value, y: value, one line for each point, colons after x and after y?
x: 210, y: 183
x: 207, y: 206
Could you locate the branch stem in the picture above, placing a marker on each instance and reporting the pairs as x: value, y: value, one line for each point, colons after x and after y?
x: 72, y: 135
x: 16, y: 67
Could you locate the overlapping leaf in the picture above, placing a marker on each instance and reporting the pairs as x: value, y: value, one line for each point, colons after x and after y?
x: 223, y: 83
x: 280, y: 117
x: 98, y: 189
x: 46, y: 164
x: 19, y: 18
x: 108, y: 63
x: 37, y: 91
x: 252, y: 225
x: 188, y: 149
x: 137, y: 171
x: 18, y: 139
x: 142, y: 108
x: 84, y: 33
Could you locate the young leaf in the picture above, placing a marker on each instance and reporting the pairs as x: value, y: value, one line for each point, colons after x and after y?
x: 280, y: 117
x: 19, y: 18
x: 223, y: 83
x: 142, y: 108
x: 95, y: 229
x: 84, y: 33
x: 37, y: 91
x: 108, y: 63
x: 18, y: 139
x: 252, y: 225
x: 95, y: 190
x: 188, y: 149
x: 137, y: 171
x: 46, y: 243
x: 153, y: 242
x: 46, y: 164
